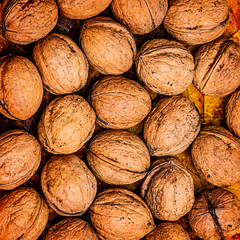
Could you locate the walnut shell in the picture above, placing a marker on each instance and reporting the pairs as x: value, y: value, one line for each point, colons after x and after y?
x: 21, y: 90
x: 118, y: 214
x: 25, y: 21
x: 216, y: 156
x: 168, y: 231
x: 82, y: 9
x: 20, y: 158
x: 141, y: 17
x: 118, y: 157
x: 168, y: 190
x: 119, y: 102
x: 196, y: 21
x: 23, y: 215
x: 172, y: 126
x: 68, y: 185
x: 165, y: 66
x: 108, y: 45
x: 215, y: 215
x: 61, y: 63
x: 66, y: 124
x: 217, y: 68
x: 71, y: 229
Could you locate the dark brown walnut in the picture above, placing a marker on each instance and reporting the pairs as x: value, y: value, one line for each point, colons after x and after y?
x: 168, y: 231
x: 66, y: 124
x: 216, y: 156
x: 168, y: 190
x: 20, y: 158
x: 172, y: 126
x: 71, y: 229
x: 119, y: 102
x: 68, y: 185
x: 196, y: 21
x: 215, y: 215
x: 119, y: 214
x: 165, y: 66
x: 232, y: 113
x: 26, y: 21
x: 21, y: 88
x: 23, y: 215
x: 61, y: 63
x: 108, y: 45
x: 217, y: 68
x: 118, y: 157
x: 141, y: 17
x: 82, y: 9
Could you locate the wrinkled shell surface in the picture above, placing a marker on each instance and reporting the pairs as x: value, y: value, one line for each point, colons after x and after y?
x: 118, y: 157
x: 168, y: 231
x: 108, y: 45
x: 20, y: 158
x: 215, y: 215
x: 61, y: 63
x: 216, y: 156
x: 23, y: 215
x: 119, y: 102
x: 68, y: 185
x: 26, y: 21
x: 172, y: 126
x: 141, y: 17
x: 164, y: 66
x: 66, y: 124
x: 118, y: 214
x: 71, y: 229
x: 196, y: 21
x: 21, y: 89
x: 168, y: 190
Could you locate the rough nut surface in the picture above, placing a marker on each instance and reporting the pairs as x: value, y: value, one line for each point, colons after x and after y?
x: 217, y: 68
x: 141, y: 17
x: 118, y: 214
x: 66, y: 124
x: 68, y: 185
x: 172, y: 126
x: 196, y: 21
x: 168, y: 231
x: 119, y: 102
x: 215, y: 215
x: 26, y: 21
x: 23, y: 215
x: 20, y: 158
x: 168, y: 190
x: 108, y: 45
x: 216, y: 156
x: 61, y: 63
x: 71, y: 229
x: 165, y: 66
x: 21, y: 88
x: 118, y: 157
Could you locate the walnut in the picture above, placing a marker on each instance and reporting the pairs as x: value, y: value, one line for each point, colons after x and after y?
x: 120, y: 214
x: 215, y: 215
x: 23, y: 215
x: 165, y: 66
x: 108, y: 45
x: 196, y: 21
x: 168, y: 189
x: 61, y: 63
x: 68, y: 185
x: 20, y: 158
x: 66, y: 124
x: 216, y: 156
x: 172, y: 126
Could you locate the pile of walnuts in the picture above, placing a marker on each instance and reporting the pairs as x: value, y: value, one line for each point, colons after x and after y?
x: 83, y: 145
